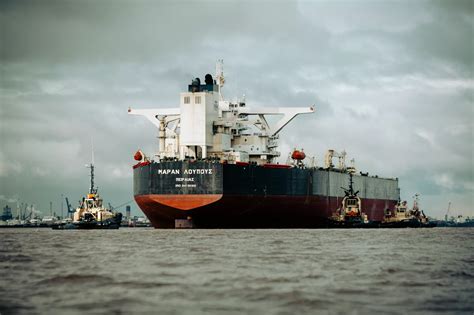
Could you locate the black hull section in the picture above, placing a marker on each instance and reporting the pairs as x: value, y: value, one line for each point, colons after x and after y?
x: 218, y: 195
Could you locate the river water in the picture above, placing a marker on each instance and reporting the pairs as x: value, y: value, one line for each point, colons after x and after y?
x: 147, y: 271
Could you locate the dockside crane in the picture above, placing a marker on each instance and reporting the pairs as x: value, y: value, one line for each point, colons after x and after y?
x: 447, y: 212
x: 70, y: 209
x: 27, y: 216
x: 22, y: 211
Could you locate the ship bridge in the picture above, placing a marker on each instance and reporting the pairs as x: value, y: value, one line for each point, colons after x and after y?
x: 207, y: 126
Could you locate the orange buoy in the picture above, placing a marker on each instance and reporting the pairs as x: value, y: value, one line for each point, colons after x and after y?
x: 138, y: 155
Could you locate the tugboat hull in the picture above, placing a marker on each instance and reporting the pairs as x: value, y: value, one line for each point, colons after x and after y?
x: 415, y: 223
x: 109, y: 224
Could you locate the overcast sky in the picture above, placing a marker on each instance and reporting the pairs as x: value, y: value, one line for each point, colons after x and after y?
x: 392, y: 83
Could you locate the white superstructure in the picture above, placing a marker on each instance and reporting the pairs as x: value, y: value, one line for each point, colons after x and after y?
x: 207, y: 126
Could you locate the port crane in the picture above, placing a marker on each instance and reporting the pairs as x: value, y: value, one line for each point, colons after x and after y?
x: 21, y: 215
x: 70, y: 209
x: 447, y: 212
x: 27, y: 216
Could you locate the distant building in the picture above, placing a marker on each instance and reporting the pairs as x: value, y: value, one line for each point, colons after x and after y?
x: 7, y: 214
x: 127, y: 212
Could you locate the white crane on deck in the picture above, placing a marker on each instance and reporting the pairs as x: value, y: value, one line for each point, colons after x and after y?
x: 330, y: 154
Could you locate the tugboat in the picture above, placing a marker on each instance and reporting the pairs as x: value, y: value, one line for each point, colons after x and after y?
x: 405, y: 218
x: 91, y: 213
x: 350, y: 214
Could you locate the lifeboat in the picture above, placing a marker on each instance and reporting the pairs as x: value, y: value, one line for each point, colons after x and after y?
x: 298, y: 155
x: 138, y: 156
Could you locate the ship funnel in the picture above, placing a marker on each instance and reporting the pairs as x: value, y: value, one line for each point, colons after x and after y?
x: 208, y: 79
x: 195, y: 85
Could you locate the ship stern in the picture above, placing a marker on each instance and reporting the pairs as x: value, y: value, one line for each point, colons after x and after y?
x: 170, y: 191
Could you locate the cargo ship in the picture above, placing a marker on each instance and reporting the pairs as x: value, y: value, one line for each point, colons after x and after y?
x: 216, y: 167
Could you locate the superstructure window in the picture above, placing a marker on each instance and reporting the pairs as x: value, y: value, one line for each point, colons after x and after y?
x: 352, y: 202
x: 197, y: 100
x: 187, y: 100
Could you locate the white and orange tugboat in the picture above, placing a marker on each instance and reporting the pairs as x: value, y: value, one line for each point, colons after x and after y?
x: 91, y: 213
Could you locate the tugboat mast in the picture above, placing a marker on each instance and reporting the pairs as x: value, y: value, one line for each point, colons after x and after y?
x: 350, y: 191
x: 351, y: 183
x: 92, y: 189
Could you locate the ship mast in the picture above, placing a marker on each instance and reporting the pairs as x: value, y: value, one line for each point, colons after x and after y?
x: 220, y: 80
x: 351, y: 184
x: 415, y: 202
x: 350, y: 192
x: 92, y: 189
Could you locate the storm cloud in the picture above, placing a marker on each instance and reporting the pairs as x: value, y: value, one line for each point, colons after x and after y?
x: 392, y: 83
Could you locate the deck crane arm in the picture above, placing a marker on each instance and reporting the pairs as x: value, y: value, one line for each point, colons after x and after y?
x: 341, y: 156
x: 288, y: 114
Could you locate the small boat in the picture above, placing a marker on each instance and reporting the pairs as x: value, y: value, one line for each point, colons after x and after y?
x: 350, y: 214
x: 402, y: 217
x: 91, y: 213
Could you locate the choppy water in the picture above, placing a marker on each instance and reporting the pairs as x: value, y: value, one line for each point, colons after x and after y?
x: 237, y: 271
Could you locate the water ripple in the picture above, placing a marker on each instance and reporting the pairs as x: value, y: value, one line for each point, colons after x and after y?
x: 237, y: 271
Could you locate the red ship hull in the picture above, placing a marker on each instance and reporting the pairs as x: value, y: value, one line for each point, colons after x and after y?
x: 257, y: 211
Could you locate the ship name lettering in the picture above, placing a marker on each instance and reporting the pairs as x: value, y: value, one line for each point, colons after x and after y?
x: 198, y: 171
x: 166, y: 172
